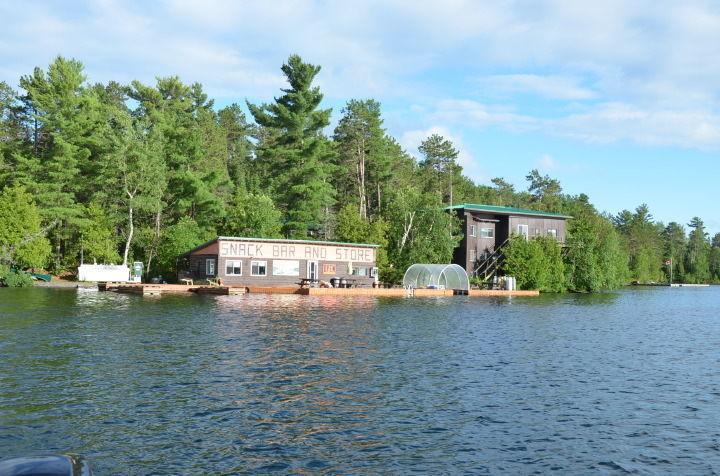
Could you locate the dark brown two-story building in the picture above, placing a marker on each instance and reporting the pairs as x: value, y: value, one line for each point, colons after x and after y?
x: 486, y: 228
x: 279, y: 262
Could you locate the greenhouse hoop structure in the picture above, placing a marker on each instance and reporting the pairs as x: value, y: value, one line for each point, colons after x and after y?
x: 436, y: 276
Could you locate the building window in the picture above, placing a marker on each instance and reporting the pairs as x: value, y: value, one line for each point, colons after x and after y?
x: 359, y: 271
x: 258, y: 268
x: 552, y: 232
x: 285, y: 268
x: 329, y: 269
x: 487, y: 232
x: 523, y: 230
x: 472, y: 230
x: 233, y: 268
x: 209, y: 267
x: 374, y: 273
x: 473, y: 255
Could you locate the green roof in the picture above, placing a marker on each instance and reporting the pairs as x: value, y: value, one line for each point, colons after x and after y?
x: 506, y: 210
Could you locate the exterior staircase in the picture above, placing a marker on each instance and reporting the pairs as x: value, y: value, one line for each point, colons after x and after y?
x: 489, y: 266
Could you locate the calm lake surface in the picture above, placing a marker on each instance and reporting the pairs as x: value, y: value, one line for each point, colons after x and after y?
x: 612, y: 383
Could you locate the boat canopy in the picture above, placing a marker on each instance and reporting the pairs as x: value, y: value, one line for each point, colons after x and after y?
x: 447, y: 276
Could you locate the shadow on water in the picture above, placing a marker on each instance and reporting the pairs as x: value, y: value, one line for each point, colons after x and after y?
x: 622, y: 381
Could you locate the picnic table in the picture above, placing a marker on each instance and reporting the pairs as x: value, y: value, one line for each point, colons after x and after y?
x: 309, y: 282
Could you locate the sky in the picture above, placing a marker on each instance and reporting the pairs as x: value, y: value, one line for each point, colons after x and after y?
x: 619, y: 100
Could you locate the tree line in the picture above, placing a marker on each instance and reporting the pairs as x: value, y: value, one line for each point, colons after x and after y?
x: 115, y: 173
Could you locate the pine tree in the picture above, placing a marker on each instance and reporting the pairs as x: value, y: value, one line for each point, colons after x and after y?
x: 298, y: 156
x: 67, y: 122
x: 22, y: 238
x: 239, y: 148
x: 138, y: 171
x: 697, y: 256
x: 545, y: 191
x: 643, y: 241
x: 440, y: 162
x: 253, y: 216
x: 715, y: 258
x: 675, y: 243
x: 361, y: 146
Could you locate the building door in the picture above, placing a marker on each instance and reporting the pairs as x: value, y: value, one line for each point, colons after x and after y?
x: 523, y: 230
x: 312, y: 270
x: 210, y: 267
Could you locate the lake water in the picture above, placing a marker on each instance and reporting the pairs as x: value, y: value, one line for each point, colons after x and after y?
x: 575, y: 384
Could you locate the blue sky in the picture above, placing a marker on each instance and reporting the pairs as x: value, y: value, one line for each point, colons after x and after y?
x: 617, y: 99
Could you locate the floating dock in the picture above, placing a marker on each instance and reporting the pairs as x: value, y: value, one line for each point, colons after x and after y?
x: 160, y: 289
x: 502, y: 293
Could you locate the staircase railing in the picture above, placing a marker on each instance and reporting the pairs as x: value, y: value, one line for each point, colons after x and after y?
x: 490, y: 265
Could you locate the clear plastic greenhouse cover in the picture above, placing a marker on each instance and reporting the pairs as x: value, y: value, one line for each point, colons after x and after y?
x: 447, y: 276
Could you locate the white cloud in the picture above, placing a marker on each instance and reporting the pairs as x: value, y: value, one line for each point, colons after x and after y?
x: 618, y: 121
x: 546, y: 163
x: 466, y: 111
x: 602, y: 122
x: 553, y: 87
x: 640, y: 71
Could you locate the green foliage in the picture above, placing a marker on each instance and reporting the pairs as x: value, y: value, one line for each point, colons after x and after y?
x: 361, y: 149
x: 440, y: 165
x: 295, y: 154
x: 183, y: 236
x: 253, y: 216
x: 419, y: 231
x: 595, y: 260
x: 697, y: 255
x: 22, y: 239
x: 10, y: 278
x: 545, y: 192
x: 536, y: 263
x: 644, y: 243
x: 99, y: 241
x: 674, y: 245
x: 351, y: 228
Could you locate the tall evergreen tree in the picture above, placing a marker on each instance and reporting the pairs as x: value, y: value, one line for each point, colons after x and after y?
x: 715, y: 258
x: 22, y: 238
x: 440, y: 162
x: 361, y: 144
x: 299, y: 155
x: 675, y: 243
x: 643, y: 241
x: 697, y: 256
x: 68, y: 125
x: 239, y: 148
x: 545, y: 191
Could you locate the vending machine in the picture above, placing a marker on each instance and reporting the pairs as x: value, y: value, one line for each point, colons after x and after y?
x: 137, y: 272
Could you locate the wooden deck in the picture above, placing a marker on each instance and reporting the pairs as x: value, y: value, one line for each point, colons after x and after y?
x: 502, y: 293
x: 159, y: 289
x: 393, y: 292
